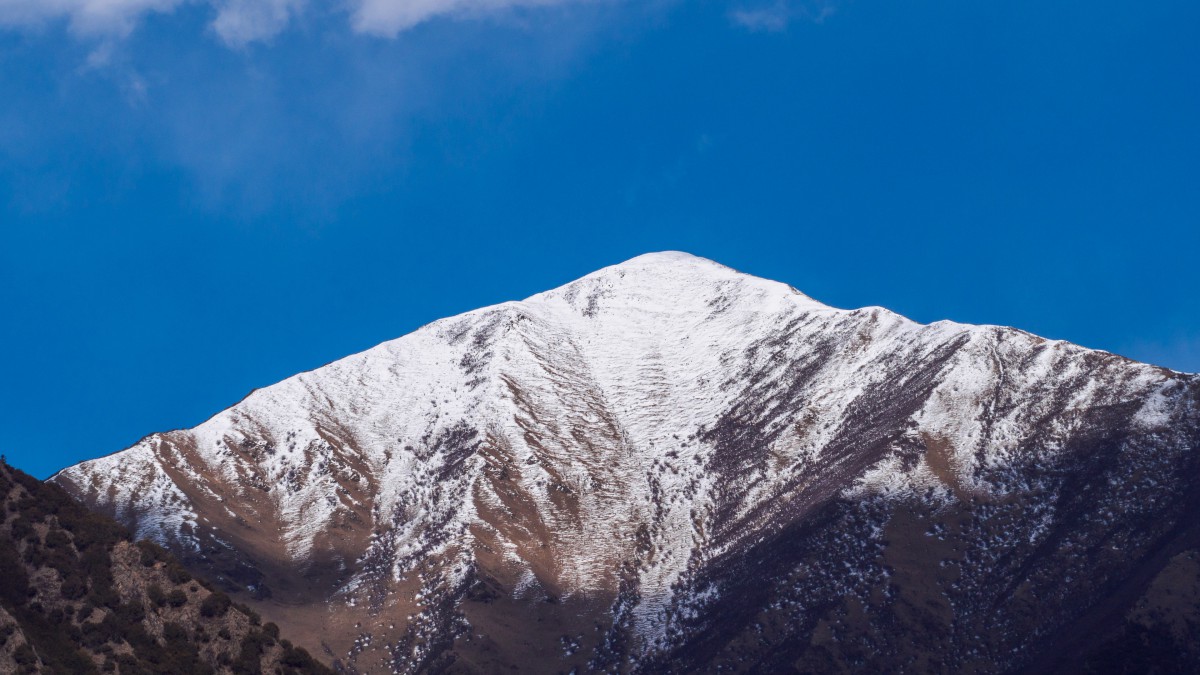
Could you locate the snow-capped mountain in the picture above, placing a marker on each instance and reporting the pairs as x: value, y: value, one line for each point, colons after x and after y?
x: 670, y: 465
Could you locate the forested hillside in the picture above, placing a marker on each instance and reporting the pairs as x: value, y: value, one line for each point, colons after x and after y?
x: 78, y: 596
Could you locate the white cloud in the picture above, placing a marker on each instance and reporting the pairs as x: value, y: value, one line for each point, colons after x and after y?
x: 239, y: 22
x: 86, y: 17
x: 772, y: 19
x: 391, y: 17
x: 776, y: 16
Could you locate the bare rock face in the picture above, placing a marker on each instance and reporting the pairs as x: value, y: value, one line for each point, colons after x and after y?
x: 669, y: 465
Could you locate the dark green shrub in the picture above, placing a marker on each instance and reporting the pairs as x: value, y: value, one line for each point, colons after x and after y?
x: 174, y: 633
x: 98, y: 567
x: 14, y: 583
x: 156, y: 595
x: 249, y: 659
x: 5, y: 633
x: 297, y: 658
x: 58, y: 539
x: 177, y: 574
x: 22, y: 528
x: 128, y: 613
x: 151, y: 553
x: 255, y: 619
x: 73, y: 586
x: 24, y: 655
x: 177, y: 598
x: 96, y: 635
x: 215, y: 605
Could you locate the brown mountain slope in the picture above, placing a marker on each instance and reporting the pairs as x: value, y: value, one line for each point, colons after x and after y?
x: 77, y: 596
x: 671, y: 466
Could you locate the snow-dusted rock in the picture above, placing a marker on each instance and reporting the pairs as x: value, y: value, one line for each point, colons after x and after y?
x: 614, y: 454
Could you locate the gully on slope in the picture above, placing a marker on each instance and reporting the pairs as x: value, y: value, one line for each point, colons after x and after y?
x: 668, y: 464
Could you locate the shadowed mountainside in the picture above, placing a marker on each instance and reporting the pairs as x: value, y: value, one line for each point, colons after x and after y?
x: 77, y: 596
x: 671, y: 466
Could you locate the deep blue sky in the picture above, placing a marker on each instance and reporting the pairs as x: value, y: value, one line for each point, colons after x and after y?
x: 182, y: 220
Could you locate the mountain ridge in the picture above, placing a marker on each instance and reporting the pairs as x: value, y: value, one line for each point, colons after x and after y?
x: 645, y: 257
x: 617, y: 445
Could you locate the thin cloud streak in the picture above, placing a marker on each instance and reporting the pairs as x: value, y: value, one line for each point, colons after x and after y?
x: 241, y: 22
x: 86, y: 18
x: 775, y: 17
x: 303, y: 127
x: 388, y: 18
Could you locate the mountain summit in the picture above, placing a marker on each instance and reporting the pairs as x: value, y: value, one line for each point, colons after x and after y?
x: 670, y: 465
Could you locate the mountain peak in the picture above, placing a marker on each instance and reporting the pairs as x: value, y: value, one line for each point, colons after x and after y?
x: 675, y: 261
x: 672, y: 259
x: 618, y: 451
x: 677, y: 282
x: 666, y: 257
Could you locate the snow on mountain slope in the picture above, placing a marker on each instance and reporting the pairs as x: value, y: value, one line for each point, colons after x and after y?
x: 603, y: 448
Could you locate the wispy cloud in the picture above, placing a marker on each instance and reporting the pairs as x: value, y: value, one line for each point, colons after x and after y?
x: 317, y: 120
x: 240, y: 22
x: 776, y: 16
x: 391, y: 17
x: 85, y: 17
x: 302, y: 127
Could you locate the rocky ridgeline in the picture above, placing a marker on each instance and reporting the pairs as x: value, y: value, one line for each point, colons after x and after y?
x: 669, y: 465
